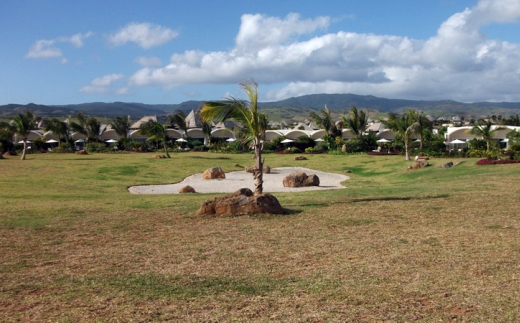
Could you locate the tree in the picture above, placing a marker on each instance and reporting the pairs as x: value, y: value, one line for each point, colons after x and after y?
x: 423, y: 125
x: 121, y: 125
x: 486, y: 132
x: 57, y: 127
x: 206, y: 129
x: 246, y: 113
x: 404, y: 127
x: 357, y: 121
x: 323, y: 120
x: 89, y: 127
x: 155, y: 131
x: 23, y: 124
x: 7, y: 132
x: 179, y: 120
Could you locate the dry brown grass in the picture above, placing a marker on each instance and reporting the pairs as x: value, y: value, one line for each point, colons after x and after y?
x: 428, y: 246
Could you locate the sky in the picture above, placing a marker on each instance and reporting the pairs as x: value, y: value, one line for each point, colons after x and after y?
x: 59, y: 52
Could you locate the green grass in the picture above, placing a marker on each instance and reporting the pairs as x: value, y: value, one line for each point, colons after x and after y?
x: 397, y: 245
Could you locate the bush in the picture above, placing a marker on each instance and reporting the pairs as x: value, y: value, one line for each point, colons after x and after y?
x: 97, y: 147
x: 309, y: 150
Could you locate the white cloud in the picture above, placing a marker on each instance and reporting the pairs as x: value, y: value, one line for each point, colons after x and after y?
x: 46, y: 48
x: 145, y: 35
x: 43, y: 49
x: 459, y: 62
x: 103, y: 84
x: 151, y: 61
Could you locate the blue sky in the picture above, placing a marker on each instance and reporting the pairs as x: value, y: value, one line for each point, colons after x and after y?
x: 162, y: 52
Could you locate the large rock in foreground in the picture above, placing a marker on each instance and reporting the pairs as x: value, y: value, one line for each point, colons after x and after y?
x: 213, y: 173
x: 242, y: 201
x: 300, y: 179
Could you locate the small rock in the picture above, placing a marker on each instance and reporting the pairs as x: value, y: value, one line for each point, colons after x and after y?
x: 213, y: 173
x: 300, y: 179
x: 187, y: 189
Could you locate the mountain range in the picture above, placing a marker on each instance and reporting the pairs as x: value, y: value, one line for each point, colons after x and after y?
x: 295, y: 108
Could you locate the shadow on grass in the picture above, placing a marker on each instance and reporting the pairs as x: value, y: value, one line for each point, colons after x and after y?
x: 390, y: 198
x: 200, y: 157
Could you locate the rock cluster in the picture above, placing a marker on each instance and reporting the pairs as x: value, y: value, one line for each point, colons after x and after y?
x: 300, y: 179
x: 242, y: 201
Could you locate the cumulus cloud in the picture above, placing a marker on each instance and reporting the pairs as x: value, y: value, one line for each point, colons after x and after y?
x: 459, y: 62
x: 151, y: 61
x: 46, y: 48
x: 145, y: 35
x: 104, y: 84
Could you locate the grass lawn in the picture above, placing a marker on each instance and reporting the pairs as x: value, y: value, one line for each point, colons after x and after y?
x: 428, y: 245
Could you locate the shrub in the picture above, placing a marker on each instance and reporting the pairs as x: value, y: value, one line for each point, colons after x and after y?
x: 309, y: 150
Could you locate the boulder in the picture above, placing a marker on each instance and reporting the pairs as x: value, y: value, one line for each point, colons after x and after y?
x: 420, y: 163
x: 300, y: 179
x: 252, y: 169
x: 187, y: 189
x: 447, y: 165
x: 242, y: 201
x: 81, y: 152
x: 213, y: 173
x: 300, y: 158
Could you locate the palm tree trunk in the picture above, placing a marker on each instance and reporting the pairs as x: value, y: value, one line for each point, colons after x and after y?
x: 166, y: 149
x: 24, y: 148
x: 407, y: 154
x: 259, y: 182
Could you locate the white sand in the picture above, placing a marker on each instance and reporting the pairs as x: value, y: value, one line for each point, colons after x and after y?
x: 273, y: 182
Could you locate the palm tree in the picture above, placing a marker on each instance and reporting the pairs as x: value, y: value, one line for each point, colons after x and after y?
x: 404, y: 126
x: 206, y: 129
x: 24, y: 123
x: 357, y: 121
x: 422, y: 127
x: 324, y: 120
x: 155, y: 131
x: 485, y: 131
x: 121, y: 125
x: 57, y: 127
x: 246, y: 113
x: 91, y: 127
x: 179, y: 120
x: 7, y: 132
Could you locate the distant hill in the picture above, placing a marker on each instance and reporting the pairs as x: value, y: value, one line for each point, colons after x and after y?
x: 297, y: 108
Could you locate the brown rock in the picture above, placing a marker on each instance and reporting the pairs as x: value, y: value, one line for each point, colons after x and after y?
x: 420, y: 163
x: 187, y: 189
x: 300, y: 179
x: 213, y: 173
x: 241, y: 202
